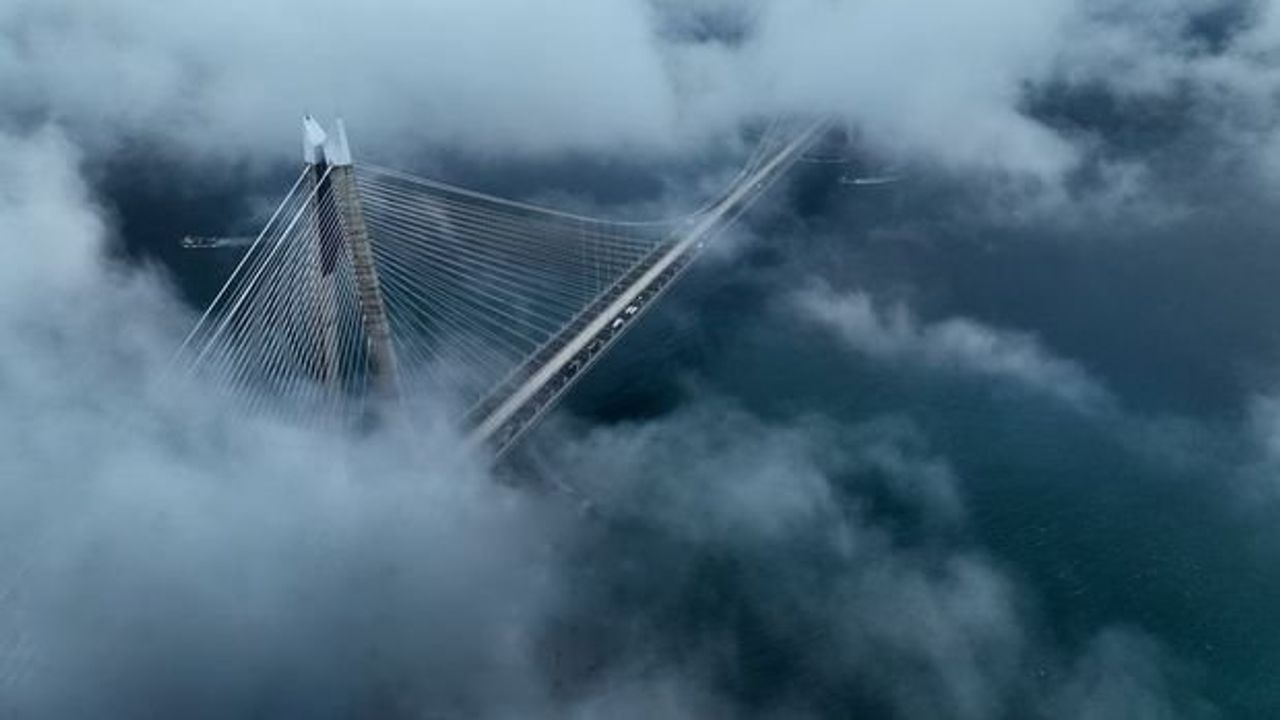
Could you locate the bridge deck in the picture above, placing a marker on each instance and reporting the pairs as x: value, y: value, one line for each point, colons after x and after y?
x: 517, y: 405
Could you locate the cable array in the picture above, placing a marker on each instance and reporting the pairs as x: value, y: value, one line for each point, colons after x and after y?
x: 475, y: 285
x: 455, y: 289
x: 286, y: 332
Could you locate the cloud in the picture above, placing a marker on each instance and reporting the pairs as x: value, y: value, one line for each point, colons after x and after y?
x: 232, y: 78
x: 956, y: 91
x: 928, y: 77
x: 1258, y: 476
x: 1212, y: 64
x: 925, y: 79
x: 958, y: 345
x: 45, y: 210
x: 1118, y: 676
x: 162, y: 554
x: 778, y: 565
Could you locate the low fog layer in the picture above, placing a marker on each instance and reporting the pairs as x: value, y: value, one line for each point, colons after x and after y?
x: 928, y: 80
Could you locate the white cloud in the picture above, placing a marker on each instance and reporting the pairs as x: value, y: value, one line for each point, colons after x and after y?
x: 1146, y: 50
x: 932, y: 633
x: 894, y: 334
x: 773, y: 524
x: 937, y: 77
x: 157, y: 549
x: 45, y: 217
x: 926, y: 78
x: 235, y: 76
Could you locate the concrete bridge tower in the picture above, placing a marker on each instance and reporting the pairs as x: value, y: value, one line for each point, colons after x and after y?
x: 329, y: 157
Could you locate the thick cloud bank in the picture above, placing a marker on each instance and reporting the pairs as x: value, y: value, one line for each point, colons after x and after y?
x: 932, y: 80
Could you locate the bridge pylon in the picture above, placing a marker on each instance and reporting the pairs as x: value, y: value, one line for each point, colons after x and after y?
x: 501, y: 303
x: 342, y: 228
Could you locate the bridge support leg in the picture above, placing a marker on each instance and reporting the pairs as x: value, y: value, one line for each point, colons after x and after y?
x: 385, y: 369
x: 339, y: 190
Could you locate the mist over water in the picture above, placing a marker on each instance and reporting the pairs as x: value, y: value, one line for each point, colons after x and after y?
x: 996, y: 441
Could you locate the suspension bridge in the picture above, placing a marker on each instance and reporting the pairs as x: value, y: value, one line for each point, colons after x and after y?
x: 368, y: 284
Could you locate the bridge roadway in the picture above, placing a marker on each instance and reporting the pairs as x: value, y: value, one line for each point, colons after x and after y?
x: 515, y: 406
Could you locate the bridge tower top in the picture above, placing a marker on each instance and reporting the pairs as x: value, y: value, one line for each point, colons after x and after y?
x: 321, y: 148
